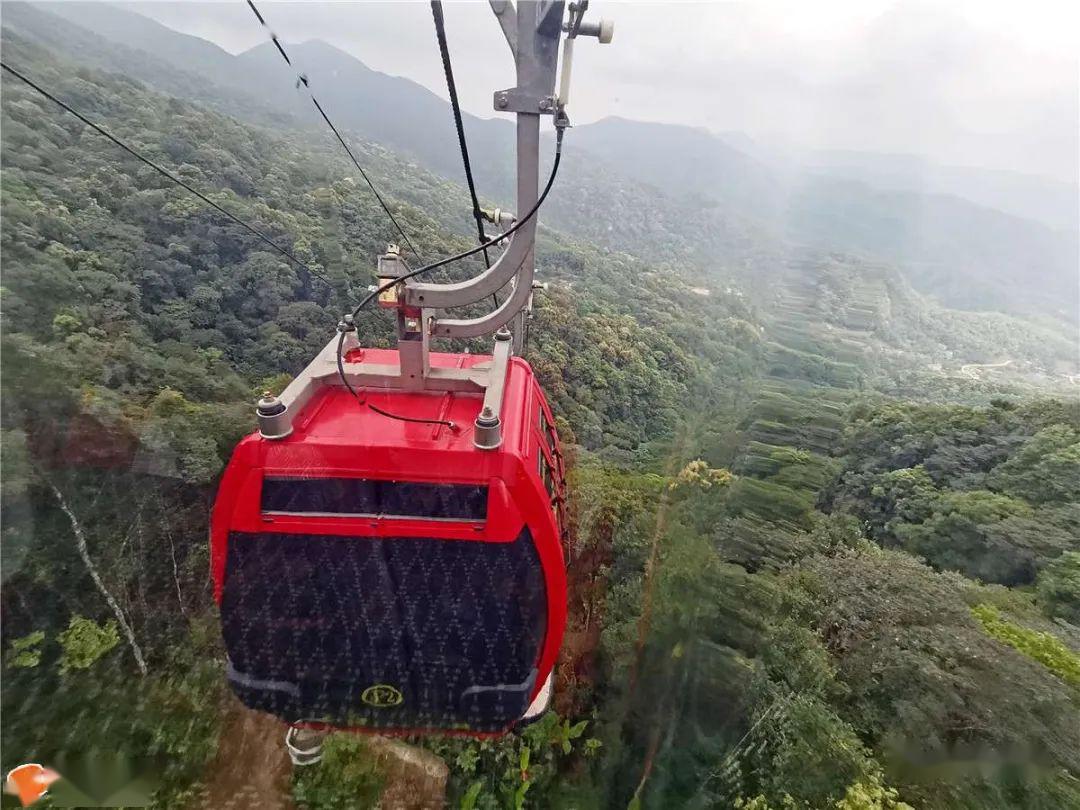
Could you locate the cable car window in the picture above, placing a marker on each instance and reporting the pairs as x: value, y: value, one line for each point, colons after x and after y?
x: 546, y: 476
x: 549, y: 484
x: 362, y: 496
x: 545, y: 428
x: 311, y: 621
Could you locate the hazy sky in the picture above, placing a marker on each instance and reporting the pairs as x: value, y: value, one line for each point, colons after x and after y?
x: 968, y: 82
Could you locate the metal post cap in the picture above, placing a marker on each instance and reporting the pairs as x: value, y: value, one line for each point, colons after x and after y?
x: 487, y: 418
x: 487, y: 430
x: 269, y: 405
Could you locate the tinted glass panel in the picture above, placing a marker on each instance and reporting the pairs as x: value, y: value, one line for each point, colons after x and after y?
x: 360, y: 496
x: 545, y: 476
x: 388, y: 632
x: 545, y: 428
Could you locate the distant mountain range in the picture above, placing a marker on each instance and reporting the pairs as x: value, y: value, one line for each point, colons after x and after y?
x: 967, y: 254
x: 654, y: 189
x: 1051, y: 202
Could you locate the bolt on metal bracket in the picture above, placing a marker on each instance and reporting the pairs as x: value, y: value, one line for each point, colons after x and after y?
x: 519, y: 100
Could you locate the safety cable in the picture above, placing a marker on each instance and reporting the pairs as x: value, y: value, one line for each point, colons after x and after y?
x: 163, y: 171
x: 451, y: 87
x: 302, y: 78
x: 362, y: 402
x: 348, y: 324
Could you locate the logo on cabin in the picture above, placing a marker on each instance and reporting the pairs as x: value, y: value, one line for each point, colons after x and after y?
x: 382, y: 696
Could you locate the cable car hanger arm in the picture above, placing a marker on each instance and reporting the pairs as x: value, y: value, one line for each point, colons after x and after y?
x: 537, y: 31
x: 539, y: 26
x: 519, y: 223
x: 535, y: 48
x: 509, y: 263
x: 523, y: 281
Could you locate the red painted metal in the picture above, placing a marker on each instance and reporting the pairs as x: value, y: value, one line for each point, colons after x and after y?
x: 334, y: 436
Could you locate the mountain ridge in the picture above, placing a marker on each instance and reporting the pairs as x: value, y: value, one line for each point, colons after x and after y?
x: 951, y: 247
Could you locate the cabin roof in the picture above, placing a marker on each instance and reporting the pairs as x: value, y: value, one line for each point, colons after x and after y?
x: 334, y: 417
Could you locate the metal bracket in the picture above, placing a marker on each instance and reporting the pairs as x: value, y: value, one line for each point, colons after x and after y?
x: 517, y: 100
x: 538, y: 24
x: 535, y: 45
x: 533, y: 29
x: 538, y: 27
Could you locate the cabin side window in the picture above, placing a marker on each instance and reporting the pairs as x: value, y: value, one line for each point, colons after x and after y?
x: 546, y: 475
x: 543, y: 424
x: 370, y: 497
x: 546, y: 448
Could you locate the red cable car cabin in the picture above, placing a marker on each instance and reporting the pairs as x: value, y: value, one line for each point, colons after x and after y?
x: 383, y: 574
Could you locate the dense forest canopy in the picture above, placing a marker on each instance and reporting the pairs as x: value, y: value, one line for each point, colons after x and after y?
x: 825, y: 529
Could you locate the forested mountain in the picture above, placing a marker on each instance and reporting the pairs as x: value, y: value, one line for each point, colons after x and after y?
x: 825, y: 531
x: 393, y: 111
x: 966, y: 255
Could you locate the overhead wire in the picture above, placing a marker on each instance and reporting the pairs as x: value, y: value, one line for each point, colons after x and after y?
x: 163, y: 171
x: 455, y: 106
x: 302, y: 78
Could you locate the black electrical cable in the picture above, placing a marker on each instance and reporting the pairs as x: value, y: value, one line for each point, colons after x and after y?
x: 451, y: 87
x: 389, y: 415
x: 344, y: 327
x: 164, y: 172
x: 473, y: 251
x: 302, y: 79
x: 380, y: 411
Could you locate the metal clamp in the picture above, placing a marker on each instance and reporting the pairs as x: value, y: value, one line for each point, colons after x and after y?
x: 519, y: 100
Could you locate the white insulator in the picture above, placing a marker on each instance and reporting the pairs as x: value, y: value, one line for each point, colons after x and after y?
x: 607, y: 31
x: 567, y: 66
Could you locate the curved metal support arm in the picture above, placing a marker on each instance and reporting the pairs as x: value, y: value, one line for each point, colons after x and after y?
x: 445, y: 296
x: 507, y: 17
x: 497, y: 318
x: 533, y: 36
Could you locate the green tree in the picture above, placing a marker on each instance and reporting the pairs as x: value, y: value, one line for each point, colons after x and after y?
x: 1058, y: 587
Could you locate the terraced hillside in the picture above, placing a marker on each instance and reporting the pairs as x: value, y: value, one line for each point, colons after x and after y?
x: 749, y: 537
